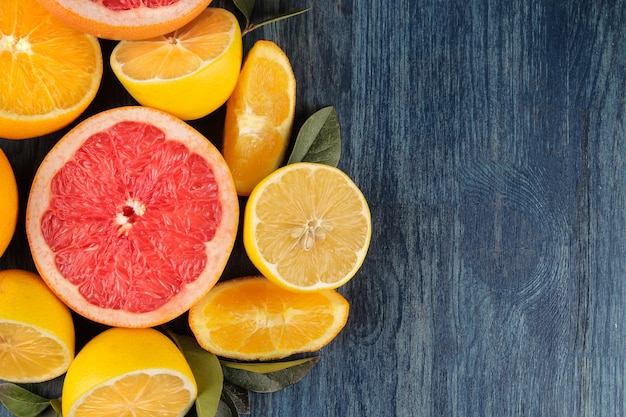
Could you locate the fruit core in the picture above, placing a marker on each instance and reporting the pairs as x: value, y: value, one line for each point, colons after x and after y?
x: 130, y: 216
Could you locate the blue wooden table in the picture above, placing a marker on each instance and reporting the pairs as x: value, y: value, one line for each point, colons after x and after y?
x: 489, y: 138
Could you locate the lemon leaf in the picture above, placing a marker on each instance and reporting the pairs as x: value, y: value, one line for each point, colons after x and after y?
x: 206, y: 370
x: 319, y: 139
x: 22, y: 402
x: 240, y: 397
x: 250, y: 376
x: 245, y: 7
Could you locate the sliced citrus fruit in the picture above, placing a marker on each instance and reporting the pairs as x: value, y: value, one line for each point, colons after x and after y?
x: 259, y: 115
x: 253, y: 319
x: 50, y: 71
x: 128, y: 372
x: 189, y: 72
x: 36, y: 329
x: 126, y: 19
x: 307, y: 227
x: 9, y: 203
x: 131, y: 217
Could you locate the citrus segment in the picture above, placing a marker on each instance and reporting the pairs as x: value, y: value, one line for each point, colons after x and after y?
x: 189, y: 72
x: 132, y: 217
x: 138, y: 372
x: 50, y: 71
x: 253, y: 319
x: 259, y: 115
x: 36, y: 329
x: 307, y: 227
x: 124, y: 19
x: 9, y: 203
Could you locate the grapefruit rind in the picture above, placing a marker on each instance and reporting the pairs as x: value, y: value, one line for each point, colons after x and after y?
x: 217, y: 250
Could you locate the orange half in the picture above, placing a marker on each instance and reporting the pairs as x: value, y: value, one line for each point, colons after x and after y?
x: 50, y: 71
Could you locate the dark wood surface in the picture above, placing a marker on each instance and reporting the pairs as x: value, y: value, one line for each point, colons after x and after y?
x: 489, y: 138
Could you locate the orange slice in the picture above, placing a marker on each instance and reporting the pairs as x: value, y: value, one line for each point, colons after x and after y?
x: 259, y: 116
x: 128, y: 372
x: 189, y: 72
x: 50, y: 71
x: 126, y: 19
x: 253, y: 319
x: 36, y: 329
x: 307, y: 227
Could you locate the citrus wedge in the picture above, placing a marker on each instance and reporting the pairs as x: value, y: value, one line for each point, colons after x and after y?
x: 128, y: 372
x: 126, y: 19
x: 50, y: 71
x: 253, y: 319
x: 9, y: 203
x: 189, y: 72
x: 307, y: 227
x: 36, y: 329
x: 131, y: 217
x: 259, y: 115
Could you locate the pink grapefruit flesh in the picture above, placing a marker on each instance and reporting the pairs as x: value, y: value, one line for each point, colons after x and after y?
x: 132, y: 217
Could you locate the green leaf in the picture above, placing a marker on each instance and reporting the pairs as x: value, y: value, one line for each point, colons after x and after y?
x: 226, y: 408
x: 22, y: 402
x: 240, y: 397
x: 206, y: 370
x: 56, y: 405
x: 319, y: 139
x: 267, y: 377
x: 251, y: 26
x: 245, y: 7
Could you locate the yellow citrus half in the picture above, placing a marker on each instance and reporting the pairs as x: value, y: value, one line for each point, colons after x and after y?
x: 190, y: 72
x: 36, y: 329
x: 128, y: 372
x: 8, y: 204
x: 252, y: 318
x: 307, y: 227
x: 50, y: 71
x: 259, y: 115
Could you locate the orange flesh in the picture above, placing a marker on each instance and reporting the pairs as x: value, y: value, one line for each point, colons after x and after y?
x: 190, y: 47
x: 47, y: 65
x: 130, y: 216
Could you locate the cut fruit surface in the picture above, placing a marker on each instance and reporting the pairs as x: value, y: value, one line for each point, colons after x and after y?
x: 124, y: 19
x: 9, y: 203
x: 259, y: 115
x: 189, y: 72
x: 128, y: 372
x: 131, y: 217
x: 307, y: 227
x: 36, y: 329
x: 253, y: 319
x: 50, y: 71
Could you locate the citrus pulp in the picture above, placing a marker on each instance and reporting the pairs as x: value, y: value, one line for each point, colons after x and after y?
x: 36, y: 329
x: 253, y: 319
x: 259, y: 115
x: 50, y: 71
x: 307, y: 227
x: 189, y: 72
x: 126, y: 19
x: 128, y: 372
x: 131, y: 217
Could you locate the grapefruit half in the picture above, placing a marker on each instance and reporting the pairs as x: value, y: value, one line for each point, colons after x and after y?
x: 126, y: 19
x: 132, y: 217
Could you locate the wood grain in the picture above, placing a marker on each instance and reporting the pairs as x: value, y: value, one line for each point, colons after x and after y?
x: 489, y: 139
